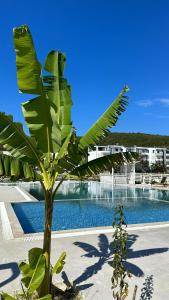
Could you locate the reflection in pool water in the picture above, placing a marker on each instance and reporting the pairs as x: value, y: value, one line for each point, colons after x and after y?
x: 91, y: 204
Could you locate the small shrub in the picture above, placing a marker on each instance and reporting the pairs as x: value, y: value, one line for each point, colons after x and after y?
x: 120, y: 274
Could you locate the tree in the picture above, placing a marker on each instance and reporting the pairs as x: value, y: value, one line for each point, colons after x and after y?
x: 142, y: 166
x: 158, y: 167
x: 52, y: 148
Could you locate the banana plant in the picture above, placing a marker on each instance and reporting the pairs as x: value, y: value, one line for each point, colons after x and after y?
x: 52, y: 148
x: 33, y: 273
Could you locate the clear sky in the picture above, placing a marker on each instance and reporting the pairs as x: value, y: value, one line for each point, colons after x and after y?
x: 108, y: 43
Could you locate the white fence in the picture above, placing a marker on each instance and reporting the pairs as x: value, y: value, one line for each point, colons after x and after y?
x: 151, y: 178
x: 128, y: 178
x: 132, y: 178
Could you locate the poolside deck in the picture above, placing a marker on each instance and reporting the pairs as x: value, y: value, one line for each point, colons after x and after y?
x: 9, y: 193
x: 89, y: 258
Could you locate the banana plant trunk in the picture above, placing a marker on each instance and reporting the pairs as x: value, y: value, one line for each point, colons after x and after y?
x: 46, y: 284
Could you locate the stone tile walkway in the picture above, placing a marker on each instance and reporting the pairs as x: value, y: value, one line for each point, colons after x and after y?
x: 88, y: 261
x: 89, y: 258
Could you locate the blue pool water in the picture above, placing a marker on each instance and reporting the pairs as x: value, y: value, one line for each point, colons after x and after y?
x: 92, y: 204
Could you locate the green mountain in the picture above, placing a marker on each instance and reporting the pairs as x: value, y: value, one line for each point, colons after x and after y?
x: 138, y: 139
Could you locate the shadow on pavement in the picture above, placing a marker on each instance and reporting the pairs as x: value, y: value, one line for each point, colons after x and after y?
x: 104, y: 254
x: 13, y: 266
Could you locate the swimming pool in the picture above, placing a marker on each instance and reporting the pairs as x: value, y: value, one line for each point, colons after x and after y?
x: 91, y: 204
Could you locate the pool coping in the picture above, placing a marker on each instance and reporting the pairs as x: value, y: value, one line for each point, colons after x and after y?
x: 12, y: 228
x: 27, y: 196
x: 93, y: 231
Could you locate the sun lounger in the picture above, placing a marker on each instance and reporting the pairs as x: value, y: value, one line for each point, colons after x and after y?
x: 162, y: 183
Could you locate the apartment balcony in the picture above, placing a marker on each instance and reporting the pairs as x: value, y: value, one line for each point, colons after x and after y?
x: 145, y: 157
x: 159, y: 156
x: 159, y: 160
x: 142, y: 151
x: 103, y: 153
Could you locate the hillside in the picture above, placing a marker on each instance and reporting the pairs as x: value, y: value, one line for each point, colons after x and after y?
x: 138, y: 139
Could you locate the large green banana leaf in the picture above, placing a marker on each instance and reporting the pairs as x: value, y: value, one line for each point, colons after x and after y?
x: 69, y: 156
x: 14, y: 140
x: 107, y: 120
x: 65, y: 109
x: 27, y: 268
x: 8, y: 297
x: 34, y: 270
x: 48, y: 115
x: 59, y: 264
x: 38, y: 274
x: 58, y: 91
x: 104, y: 163
x: 16, y: 167
x: 1, y: 167
x: 41, y: 120
x: 28, y: 66
x: 7, y: 165
x: 64, y: 149
x: 13, y: 167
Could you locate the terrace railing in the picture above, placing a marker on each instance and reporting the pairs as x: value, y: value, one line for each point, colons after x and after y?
x: 132, y: 178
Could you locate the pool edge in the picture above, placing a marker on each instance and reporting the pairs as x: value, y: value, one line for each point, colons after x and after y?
x: 92, y: 231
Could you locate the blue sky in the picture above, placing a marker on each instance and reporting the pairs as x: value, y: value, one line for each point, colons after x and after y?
x: 108, y: 44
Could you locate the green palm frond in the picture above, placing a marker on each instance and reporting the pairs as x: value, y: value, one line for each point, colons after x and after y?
x: 104, y: 163
x: 107, y: 120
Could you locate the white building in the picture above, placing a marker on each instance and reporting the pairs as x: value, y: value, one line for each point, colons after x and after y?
x: 150, y: 154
